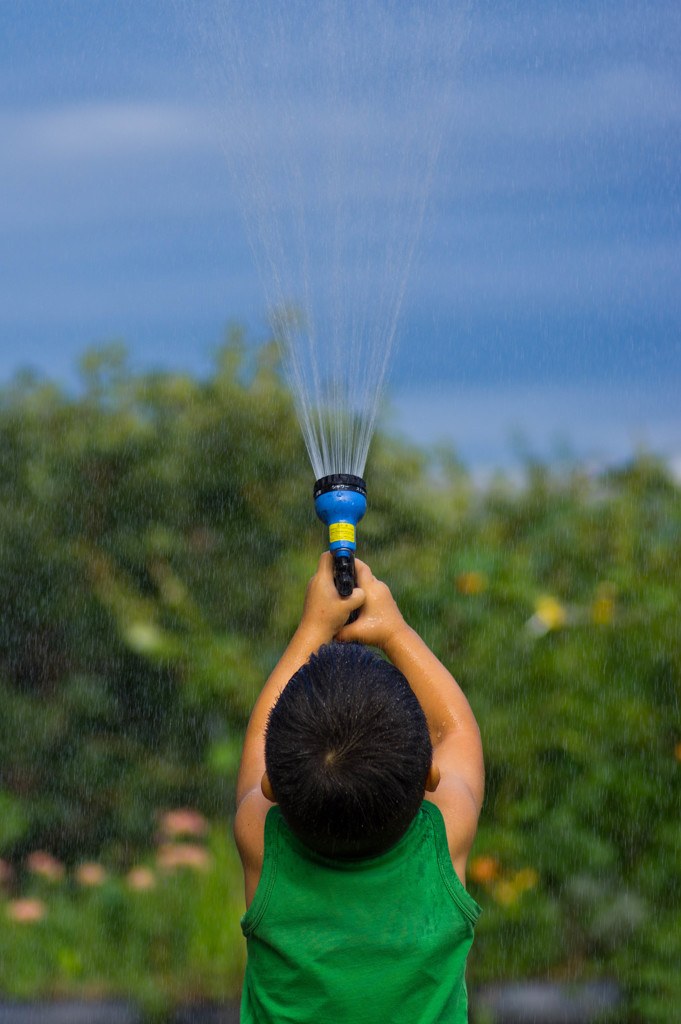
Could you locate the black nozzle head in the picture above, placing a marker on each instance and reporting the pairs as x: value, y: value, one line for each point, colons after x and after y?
x: 344, y: 574
x: 339, y: 482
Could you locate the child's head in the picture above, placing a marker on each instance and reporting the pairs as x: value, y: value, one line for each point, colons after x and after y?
x: 347, y: 752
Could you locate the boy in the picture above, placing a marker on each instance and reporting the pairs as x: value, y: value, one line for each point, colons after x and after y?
x: 360, y: 912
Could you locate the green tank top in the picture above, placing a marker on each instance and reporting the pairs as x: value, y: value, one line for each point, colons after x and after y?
x: 382, y: 940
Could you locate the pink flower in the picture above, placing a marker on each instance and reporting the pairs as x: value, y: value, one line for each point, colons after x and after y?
x: 26, y: 911
x: 44, y: 864
x: 183, y: 822
x: 91, y: 874
x: 170, y: 856
x: 141, y: 879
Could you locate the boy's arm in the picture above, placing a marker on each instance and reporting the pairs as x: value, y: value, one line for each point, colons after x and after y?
x: 457, y: 750
x: 324, y: 612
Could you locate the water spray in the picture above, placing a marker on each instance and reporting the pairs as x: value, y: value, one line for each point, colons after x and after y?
x: 308, y: 197
x: 340, y: 501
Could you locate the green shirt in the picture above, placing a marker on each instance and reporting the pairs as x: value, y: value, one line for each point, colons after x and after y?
x: 382, y: 940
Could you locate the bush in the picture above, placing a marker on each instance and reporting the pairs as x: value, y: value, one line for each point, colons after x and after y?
x: 156, y: 535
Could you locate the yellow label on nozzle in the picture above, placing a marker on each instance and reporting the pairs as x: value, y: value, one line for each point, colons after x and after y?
x: 341, y: 532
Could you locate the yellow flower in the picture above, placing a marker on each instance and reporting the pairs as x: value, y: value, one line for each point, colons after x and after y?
x: 603, y: 604
x: 551, y: 612
x: 471, y: 583
x: 549, y: 615
x: 505, y: 892
x: 525, y: 879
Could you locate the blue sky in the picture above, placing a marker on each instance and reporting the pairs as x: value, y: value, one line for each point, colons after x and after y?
x: 544, y: 294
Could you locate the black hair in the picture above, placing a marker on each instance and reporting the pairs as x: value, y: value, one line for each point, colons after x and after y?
x: 347, y: 752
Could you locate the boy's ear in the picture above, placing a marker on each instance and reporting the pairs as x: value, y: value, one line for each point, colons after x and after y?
x: 267, y: 789
x: 433, y: 780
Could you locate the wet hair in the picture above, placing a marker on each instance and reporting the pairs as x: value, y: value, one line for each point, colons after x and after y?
x: 347, y: 752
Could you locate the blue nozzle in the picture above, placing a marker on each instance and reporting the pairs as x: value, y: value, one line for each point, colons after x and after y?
x: 340, y: 501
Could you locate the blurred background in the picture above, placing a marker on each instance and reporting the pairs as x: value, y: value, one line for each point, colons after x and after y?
x: 157, y: 528
x: 543, y: 301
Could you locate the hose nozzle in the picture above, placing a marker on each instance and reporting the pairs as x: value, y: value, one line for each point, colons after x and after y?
x: 340, y: 501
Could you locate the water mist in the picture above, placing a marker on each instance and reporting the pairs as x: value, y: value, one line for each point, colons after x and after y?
x: 331, y: 116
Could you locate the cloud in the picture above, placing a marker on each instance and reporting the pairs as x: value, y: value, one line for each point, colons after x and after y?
x: 92, y: 163
x: 96, y: 131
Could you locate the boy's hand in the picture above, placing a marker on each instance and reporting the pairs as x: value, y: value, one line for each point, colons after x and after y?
x: 380, y: 620
x: 324, y: 610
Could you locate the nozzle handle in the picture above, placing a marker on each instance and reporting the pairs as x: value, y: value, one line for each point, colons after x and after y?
x: 345, y: 578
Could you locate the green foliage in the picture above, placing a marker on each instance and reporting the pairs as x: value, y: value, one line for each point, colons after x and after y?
x: 156, y: 535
